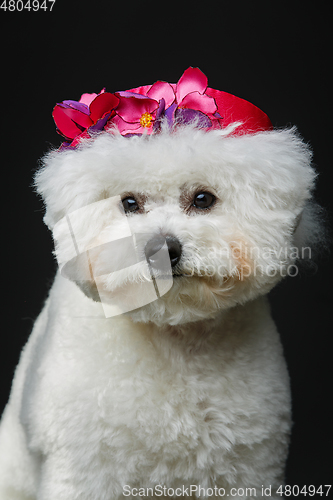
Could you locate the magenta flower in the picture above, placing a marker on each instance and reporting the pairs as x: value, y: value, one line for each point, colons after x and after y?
x: 193, y: 103
x: 75, y: 119
x: 140, y: 109
x: 159, y: 90
x: 136, y: 114
x: 190, y: 92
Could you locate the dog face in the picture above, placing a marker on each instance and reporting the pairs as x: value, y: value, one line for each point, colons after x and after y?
x: 222, y: 213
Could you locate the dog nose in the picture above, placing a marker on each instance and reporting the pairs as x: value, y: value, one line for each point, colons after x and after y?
x: 156, y: 243
x: 174, y: 249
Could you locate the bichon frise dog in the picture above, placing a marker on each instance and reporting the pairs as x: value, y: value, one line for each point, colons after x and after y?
x: 155, y: 367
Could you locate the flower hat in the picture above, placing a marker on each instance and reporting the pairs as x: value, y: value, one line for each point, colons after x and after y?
x: 141, y: 110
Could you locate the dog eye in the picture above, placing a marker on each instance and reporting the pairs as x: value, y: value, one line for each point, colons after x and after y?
x: 204, y: 200
x: 130, y: 204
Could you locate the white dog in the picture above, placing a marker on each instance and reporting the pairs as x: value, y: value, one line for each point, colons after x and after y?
x: 162, y: 373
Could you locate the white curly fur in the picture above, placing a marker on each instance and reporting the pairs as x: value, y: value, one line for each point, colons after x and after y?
x: 191, y: 389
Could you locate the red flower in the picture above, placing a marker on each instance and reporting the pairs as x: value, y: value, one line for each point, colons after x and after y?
x: 74, y: 119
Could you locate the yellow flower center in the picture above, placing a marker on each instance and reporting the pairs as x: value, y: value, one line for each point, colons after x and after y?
x: 146, y: 120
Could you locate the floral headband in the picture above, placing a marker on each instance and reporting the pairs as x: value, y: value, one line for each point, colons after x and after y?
x: 141, y: 110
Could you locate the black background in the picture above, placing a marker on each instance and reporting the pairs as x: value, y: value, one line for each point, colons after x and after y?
x: 274, y: 54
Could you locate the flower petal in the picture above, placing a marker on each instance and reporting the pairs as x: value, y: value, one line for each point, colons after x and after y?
x: 129, y: 93
x: 100, y: 124
x: 159, y: 114
x: 200, y: 102
x: 141, y: 90
x: 170, y: 114
x: 103, y: 103
x: 192, y: 80
x: 80, y: 106
x: 88, y: 98
x: 162, y: 90
x: 125, y: 127
x: 132, y: 108
x: 70, y: 122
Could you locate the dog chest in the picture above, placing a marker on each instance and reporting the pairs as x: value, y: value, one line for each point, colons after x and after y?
x: 144, y: 405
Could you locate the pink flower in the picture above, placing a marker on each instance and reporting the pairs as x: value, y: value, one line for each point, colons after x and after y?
x: 159, y: 90
x: 141, y: 108
x: 74, y: 119
x: 136, y: 113
x: 193, y: 103
x: 190, y: 92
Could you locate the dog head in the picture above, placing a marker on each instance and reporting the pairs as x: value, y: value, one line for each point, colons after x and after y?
x: 215, y: 218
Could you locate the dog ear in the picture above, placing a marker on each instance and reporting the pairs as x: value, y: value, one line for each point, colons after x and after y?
x: 275, y: 180
x: 294, y: 180
x: 56, y: 182
x: 66, y: 181
x: 308, y: 229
